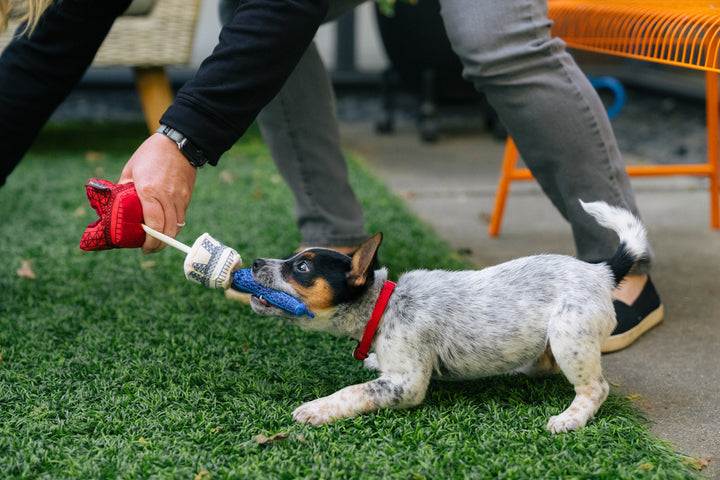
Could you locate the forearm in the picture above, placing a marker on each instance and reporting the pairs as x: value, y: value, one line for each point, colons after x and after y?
x: 256, y: 53
x: 37, y: 72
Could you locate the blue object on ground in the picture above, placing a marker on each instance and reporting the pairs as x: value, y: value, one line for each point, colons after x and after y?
x: 616, y: 88
x: 244, y: 281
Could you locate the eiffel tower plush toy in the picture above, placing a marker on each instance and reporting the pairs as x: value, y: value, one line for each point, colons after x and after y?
x: 208, y: 262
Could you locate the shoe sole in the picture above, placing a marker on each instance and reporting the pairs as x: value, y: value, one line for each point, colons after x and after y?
x: 625, y: 339
x: 236, y: 296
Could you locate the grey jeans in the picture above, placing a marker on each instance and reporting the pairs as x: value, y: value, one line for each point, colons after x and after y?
x: 301, y: 130
x: 542, y: 97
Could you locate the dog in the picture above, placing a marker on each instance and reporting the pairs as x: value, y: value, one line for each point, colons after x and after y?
x: 535, y: 315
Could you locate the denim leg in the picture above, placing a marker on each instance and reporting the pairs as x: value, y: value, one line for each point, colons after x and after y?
x: 301, y: 130
x: 549, y: 108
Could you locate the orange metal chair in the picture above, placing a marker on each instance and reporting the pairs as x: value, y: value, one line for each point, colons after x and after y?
x: 683, y: 33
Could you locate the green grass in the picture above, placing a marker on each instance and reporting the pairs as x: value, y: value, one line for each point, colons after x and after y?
x: 113, y: 367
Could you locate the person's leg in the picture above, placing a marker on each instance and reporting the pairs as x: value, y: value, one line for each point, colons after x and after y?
x: 301, y: 130
x: 548, y: 106
x: 552, y: 113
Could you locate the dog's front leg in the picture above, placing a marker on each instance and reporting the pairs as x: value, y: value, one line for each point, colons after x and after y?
x: 384, y: 392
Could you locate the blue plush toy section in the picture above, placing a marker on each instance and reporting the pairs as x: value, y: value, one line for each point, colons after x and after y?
x: 244, y: 281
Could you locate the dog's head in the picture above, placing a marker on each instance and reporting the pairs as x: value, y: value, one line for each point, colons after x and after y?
x: 321, y: 278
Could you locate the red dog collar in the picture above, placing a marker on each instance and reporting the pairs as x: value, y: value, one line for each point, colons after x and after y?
x: 361, y: 351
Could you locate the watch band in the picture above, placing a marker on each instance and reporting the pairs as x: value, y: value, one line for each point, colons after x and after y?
x: 194, y: 155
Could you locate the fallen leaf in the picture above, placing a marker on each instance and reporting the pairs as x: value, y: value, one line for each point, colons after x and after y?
x: 301, y: 439
x: 226, y: 176
x: 93, y: 156
x: 216, y: 429
x: 697, y: 462
x: 203, y: 475
x: 147, y: 264
x: 614, y: 384
x: 144, y: 442
x: 634, y: 397
x: 647, y: 466
x: 278, y: 437
x: 80, y: 212
x: 25, y: 270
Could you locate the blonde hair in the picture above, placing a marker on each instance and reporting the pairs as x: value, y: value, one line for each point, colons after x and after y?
x: 28, y: 11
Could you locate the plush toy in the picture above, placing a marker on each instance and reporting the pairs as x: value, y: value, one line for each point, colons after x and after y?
x: 244, y: 281
x: 121, y: 217
x: 208, y: 262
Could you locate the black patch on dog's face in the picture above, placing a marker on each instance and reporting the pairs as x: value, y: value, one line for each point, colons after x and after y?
x: 320, y: 277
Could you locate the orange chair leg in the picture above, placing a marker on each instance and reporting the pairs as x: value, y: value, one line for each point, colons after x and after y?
x: 503, y: 188
x: 712, y: 107
x: 153, y: 86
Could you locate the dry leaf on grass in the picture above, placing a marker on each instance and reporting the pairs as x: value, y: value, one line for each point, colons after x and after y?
x: 80, y: 212
x: 26, y: 270
x: 697, y: 462
x: 278, y: 437
x: 93, y: 156
x: 226, y: 176
x: 203, y: 475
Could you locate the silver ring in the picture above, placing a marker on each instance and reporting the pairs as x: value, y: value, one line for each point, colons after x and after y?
x: 181, y: 224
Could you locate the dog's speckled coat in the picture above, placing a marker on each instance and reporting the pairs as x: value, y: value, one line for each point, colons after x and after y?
x: 534, y: 315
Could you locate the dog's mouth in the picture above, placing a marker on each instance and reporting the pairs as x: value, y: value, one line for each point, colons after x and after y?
x: 262, y: 306
x: 260, y: 301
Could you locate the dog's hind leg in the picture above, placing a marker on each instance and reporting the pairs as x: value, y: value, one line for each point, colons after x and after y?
x: 577, y: 352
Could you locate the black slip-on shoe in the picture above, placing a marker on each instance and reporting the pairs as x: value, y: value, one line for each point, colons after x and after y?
x: 634, y: 320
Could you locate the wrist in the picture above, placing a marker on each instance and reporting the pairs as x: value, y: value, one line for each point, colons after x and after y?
x: 193, y: 154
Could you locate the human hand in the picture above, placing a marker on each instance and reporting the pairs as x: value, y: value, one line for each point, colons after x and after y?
x: 164, y: 181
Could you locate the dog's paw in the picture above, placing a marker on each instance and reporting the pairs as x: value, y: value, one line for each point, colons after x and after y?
x: 371, y: 362
x: 316, y: 412
x: 566, y: 422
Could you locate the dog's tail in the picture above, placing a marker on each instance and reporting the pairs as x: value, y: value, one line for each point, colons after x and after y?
x: 633, y: 246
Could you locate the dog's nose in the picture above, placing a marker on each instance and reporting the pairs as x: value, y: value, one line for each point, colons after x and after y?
x: 258, y: 264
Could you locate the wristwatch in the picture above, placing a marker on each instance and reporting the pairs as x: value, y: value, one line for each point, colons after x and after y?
x: 195, y: 156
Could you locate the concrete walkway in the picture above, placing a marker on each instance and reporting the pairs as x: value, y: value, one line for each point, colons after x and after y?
x: 673, y: 370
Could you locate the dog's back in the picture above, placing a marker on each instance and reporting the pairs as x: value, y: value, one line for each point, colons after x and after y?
x: 491, y: 321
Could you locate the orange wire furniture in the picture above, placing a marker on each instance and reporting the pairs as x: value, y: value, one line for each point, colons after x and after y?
x: 683, y: 33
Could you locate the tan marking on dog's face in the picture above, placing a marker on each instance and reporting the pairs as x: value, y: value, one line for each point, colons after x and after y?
x: 317, y: 297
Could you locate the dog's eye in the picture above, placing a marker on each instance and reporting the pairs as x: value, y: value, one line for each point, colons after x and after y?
x: 302, y: 267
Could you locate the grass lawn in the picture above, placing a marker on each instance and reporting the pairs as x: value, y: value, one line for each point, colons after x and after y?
x: 112, y: 365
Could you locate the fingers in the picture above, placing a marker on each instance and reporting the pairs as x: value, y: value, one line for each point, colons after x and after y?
x: 164, y: 181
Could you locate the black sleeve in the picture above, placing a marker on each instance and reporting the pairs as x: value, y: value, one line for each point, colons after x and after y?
x: 256, y: 53
x: 38, y: 71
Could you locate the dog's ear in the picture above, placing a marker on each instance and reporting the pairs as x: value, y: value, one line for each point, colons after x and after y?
x: 363, y: 260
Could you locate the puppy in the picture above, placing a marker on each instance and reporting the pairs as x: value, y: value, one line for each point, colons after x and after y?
x: 535, y: 315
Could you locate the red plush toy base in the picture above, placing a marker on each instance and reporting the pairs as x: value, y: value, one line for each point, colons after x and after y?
x: 121, y: 216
